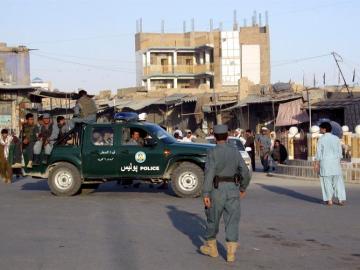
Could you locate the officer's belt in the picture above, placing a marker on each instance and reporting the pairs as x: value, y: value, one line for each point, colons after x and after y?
x: 225, y: 178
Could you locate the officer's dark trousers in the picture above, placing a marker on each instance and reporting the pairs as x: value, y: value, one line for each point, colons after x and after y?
x: 224, y: 201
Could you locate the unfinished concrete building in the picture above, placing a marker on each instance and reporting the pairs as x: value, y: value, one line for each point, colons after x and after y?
x: 203, y: 60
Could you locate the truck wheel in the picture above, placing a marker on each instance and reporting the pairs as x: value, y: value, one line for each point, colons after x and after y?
x: 88, y: 188
x: 187, y: 180
x: 64, y: 179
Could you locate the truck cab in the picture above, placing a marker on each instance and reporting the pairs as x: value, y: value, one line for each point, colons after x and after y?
x: 126, y: 149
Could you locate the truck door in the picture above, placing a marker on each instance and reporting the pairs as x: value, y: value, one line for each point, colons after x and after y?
x: 99, y: 151
x: 136, y: 159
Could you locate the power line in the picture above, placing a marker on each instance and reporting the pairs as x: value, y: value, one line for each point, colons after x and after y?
x: 120, y: 35
x: 86, y: 57
x: 288, y: 62
x: 85, y: 65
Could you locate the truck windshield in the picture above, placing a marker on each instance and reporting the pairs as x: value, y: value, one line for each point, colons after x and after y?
x: 161, y: 134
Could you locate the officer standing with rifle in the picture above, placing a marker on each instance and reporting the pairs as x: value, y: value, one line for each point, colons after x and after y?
x: 226, y: 179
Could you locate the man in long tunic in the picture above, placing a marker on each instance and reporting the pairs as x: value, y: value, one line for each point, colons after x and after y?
x: 264, y: 146
x: 328, y: 156
x: 226, y: 179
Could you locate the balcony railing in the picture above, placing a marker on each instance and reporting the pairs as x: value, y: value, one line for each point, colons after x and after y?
x: 178, y: 69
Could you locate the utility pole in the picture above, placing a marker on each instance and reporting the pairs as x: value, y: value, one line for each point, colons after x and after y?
x: 309, y: 107
x: 215, y: 105
x: 335, y: 55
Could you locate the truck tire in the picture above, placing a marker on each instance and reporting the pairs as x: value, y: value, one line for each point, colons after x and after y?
x: 88, y: 188
x: 64, y: 179
x: 187, y: 180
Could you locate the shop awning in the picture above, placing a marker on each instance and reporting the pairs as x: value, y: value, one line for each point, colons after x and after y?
x: 290, y: 113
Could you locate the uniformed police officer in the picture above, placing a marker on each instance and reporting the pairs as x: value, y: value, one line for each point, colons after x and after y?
x: 226, y: 179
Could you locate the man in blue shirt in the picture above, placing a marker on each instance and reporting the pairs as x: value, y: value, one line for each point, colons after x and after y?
x: 328, y: 156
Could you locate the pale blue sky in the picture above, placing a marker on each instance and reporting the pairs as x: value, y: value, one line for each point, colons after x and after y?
x: 90, y: 44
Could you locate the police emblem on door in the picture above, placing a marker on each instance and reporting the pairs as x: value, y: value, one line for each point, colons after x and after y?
x: 140, y: 157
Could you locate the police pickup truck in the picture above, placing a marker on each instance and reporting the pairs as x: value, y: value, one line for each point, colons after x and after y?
x: 126, y: 149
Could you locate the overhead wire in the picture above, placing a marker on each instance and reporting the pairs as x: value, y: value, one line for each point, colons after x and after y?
x: 83, y: 64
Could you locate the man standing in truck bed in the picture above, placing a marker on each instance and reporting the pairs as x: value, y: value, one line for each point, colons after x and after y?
x: 226, y: 179
x: 85, y: 110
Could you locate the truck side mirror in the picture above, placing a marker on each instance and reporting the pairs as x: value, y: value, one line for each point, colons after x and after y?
x: 149, y: 142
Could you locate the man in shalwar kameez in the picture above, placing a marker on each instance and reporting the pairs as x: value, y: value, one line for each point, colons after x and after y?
x: 328, y: 156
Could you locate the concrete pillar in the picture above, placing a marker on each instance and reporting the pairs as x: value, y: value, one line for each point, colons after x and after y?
x: 148, y: 58
x: 201, y: 58
x: 175, y: 58
x: 144, y: 59
x: 175, y: 83
x: 219, y: 119
x: 148, y: 84
x: 207, y: 56
x: 207, y: 81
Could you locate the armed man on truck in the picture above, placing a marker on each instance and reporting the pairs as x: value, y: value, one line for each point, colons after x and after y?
x: 48, y: 134
x: 226, y: 179
x: 84, y: 111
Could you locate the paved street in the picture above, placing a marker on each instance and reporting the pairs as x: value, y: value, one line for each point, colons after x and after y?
x: 283, y: 227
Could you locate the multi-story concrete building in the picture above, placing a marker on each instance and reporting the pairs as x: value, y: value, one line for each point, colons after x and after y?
x: 14, y: 65
x: 203, y: 60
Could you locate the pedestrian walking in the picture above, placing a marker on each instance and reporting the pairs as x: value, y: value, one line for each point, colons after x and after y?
x: 328, y: 156
x: 226, y: 179
x: 265, y: 147
x: 250, y: 142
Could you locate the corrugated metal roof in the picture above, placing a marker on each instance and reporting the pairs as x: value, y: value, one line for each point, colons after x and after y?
x: 133, y: 103
x: 207, y: 107
x: 254, y: 99
x: 176, y: 98
x: 333, y: 103
x: 51, y: 94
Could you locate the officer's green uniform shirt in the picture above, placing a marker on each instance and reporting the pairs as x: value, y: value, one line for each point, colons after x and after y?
x: 224, y: 160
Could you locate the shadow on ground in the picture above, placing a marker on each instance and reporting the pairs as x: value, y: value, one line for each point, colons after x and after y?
x: 290, y: 193
x: 39, y: 185
x: 112, y: 186
x: 192, y: 226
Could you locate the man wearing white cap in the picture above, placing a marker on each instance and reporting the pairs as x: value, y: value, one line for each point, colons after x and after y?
x: 226, y: 179
x: 48, y: 134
